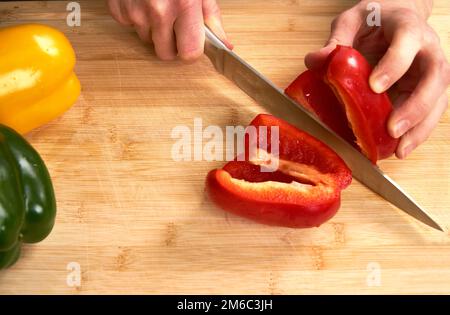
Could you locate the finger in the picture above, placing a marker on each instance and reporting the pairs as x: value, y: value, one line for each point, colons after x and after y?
x: 144, y: 32
x: 163, y: 37
x: 343, y: 31
x: 138, y: 15
x: 213, y: 19
x: 396, y: 61
x: 345, y: 27
x: 419, y: 104
x: 190, y: 32
x: 315, y: 60
x: 422, y: 131
x: 116, y: 9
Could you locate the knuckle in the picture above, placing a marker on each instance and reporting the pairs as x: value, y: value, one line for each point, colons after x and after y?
x: 116, y: 13
x: 440, y: 69
x: 137, y: 17
x: 415, y: 141
x: 334, y: 23
x: 121, y: 20
x: 117, y: 17
x: 421, y: 108
x: 408, y: 15
x: 186, y: 5
x: 410, y: 26
x: 192, y: 54
x: 214, y: 8
x: 159, y: 10
x: 189, y: 57
x: 348, y: 17
x: 190, y: 41
x: 424, y: 137
x: 436, y: 67
x: 363, y: 3
x: 430, y: 38
x: 164, y: 56
x: 341, y: 23
x: 413, y: 32
x: 341, y: 20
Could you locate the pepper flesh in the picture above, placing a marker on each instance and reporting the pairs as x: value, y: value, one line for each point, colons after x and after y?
x: 346, y: 76
x: 309, y: 90
x: 27, y: 199
x: 37, y: 82
x: 303, y: 192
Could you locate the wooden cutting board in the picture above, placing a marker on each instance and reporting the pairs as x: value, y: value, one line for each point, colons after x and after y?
x: 132, y: 220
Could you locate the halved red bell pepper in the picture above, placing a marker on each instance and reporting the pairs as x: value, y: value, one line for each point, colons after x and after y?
x: 342, y: 86
x: 303, y: 192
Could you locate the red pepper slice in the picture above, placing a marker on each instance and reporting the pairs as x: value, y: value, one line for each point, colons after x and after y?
x: 346, y: 74
x: 304, y: 191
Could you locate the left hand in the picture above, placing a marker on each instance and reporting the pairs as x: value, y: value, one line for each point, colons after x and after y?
x: 408, y: 53
x: 175, y: 27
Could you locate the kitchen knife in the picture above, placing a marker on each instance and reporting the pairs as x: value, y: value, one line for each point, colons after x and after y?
x: 280, y: 105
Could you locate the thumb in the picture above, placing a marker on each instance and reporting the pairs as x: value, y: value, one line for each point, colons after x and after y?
x: 343, y: 32
x: 213, y: 19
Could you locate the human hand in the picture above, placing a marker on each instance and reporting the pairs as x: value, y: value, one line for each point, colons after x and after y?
x: 409, y: 55
x: 175, y: 27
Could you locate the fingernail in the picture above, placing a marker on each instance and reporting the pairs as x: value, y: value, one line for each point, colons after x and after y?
x: 380, y: 83
x: 228, y: 44
x: 400, y: 128
x: 407, y: 150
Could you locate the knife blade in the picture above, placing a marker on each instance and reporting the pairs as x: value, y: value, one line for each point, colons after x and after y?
x: 280, y: 105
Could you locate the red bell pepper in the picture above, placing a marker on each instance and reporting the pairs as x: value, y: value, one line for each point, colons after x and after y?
x: 342, y: 86
x: 303, y: 192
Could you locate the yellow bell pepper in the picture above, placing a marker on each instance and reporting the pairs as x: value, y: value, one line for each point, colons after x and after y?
x: 37, y: 82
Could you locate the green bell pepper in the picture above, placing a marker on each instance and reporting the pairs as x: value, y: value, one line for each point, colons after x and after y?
x: 27, y: 199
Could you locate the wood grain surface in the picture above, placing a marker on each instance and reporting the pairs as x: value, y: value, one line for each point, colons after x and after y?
x: 135, y: 221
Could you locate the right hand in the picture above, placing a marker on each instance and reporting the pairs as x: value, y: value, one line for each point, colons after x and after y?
x: 175, y: 27
x: 409, y: 56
